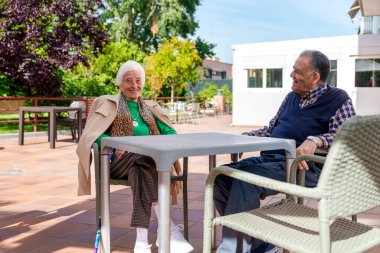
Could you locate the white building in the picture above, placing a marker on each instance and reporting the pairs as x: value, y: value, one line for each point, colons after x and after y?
x: 261, y: 73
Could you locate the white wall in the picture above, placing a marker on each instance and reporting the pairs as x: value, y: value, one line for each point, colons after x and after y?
x: 256, y: 106
x: 367, y: 101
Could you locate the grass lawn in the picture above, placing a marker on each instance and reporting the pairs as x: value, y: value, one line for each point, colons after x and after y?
x: 9, y: 128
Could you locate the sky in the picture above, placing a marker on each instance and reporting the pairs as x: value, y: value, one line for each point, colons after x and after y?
x: 232, y: 22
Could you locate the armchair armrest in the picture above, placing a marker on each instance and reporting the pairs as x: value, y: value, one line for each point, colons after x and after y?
x: 294, y: 168
x: 287, y: 188
x: 320, y: 151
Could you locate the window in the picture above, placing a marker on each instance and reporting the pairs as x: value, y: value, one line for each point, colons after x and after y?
x: 255, y: 78
x: 271, y: 77
x: 367, y: 73
x: 274, y: 78
x: 207, y: 73
x: 332, y: 79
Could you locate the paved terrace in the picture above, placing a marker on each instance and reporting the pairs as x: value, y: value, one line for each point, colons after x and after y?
x: 40, y: 211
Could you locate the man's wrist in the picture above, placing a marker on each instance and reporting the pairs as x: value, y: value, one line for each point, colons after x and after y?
x: 314, y: 139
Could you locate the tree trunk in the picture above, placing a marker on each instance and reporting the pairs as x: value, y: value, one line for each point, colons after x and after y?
x: 172, y: 93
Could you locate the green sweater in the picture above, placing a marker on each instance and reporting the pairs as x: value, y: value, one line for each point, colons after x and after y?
x: 142, y: 128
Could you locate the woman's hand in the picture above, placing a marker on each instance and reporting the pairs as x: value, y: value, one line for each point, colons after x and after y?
x: 119, y: 153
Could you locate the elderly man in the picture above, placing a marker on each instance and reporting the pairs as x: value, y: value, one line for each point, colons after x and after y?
x: 311, y: 115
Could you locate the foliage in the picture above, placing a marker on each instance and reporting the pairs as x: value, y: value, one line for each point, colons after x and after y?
x: 40, y: 36
x: 204, y: 48
x: 210, y: 90
x: 147, y: 23
x: 227, y: 93
x: 148, y: 93
x: 100, y: 77
x: 9, y: 87
x: 175, y: 64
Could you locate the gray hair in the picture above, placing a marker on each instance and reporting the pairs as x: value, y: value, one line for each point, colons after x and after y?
x: 129, y: 66
x: 318, y: 62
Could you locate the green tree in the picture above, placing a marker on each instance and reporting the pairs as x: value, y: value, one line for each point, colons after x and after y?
x: 205, y: 49
x: 208, y: 92
x: 38, y: 37
x: 211, y: 89
x: 175, y: 64
x: 147, y: 22
x: 9, y: 87
x: 100, y: 77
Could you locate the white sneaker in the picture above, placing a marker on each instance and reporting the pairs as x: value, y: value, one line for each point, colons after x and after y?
x: 177, y: 242
x: 142, y: 248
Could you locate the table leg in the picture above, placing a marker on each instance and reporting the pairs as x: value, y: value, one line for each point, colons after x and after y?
x: 105, y: 232
x: 52, y: 128
x: 290, y: 155
x: 21, y: 122
x: 211, y: 165
x: 164, y: 211
x: 185, y: 203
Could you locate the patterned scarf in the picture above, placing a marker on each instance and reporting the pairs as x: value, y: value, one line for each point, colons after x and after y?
x: 122, y: 125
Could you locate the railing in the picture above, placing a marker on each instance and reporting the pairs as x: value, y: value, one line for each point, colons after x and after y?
x: 13, y: 107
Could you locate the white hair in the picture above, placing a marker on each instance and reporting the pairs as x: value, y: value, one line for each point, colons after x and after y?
x: 129, y: 66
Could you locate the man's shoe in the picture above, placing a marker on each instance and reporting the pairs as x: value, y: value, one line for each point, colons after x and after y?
x: 142, y: 248
x: 177, y: 242
x: 266, y: 248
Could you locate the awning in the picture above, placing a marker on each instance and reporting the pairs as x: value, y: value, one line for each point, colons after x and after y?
x: 366, y: 65
x: 355, y: 7
x: 368, y: 8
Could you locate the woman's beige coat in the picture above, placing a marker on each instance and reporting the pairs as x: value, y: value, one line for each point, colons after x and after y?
x: 100, y: 118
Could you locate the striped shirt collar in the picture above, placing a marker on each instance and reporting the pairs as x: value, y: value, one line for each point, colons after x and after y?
x: 312, y: 96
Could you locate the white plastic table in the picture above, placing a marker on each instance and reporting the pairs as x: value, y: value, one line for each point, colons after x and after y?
x: 165, y: 150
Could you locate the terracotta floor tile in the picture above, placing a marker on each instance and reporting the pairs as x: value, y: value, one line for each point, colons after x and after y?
x: 196, y: 205
x: 84, y: 217
x: 119, y: 208
x: 121, y: 220
x: 196, y: 230
x: 40, y: 212
x: 369, y: 219
x: 7, y: 233
x: 55, y: 201
x: 63, y: 213
x: 128, y: 240
x: 125, y: 200
x: 84, y: 205
x: 24, y: 242
x: 65, y: 246
x: 374, y: 249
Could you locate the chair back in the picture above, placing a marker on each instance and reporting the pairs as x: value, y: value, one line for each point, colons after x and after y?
x: 82, y: 104
x: 351, y: 173
x: 194, y: 107
x: 181, y: 106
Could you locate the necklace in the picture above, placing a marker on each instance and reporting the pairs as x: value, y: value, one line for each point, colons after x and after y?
x: 134, y: 120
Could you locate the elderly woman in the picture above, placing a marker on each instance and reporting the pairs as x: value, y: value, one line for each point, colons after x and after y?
x: 127, y: 115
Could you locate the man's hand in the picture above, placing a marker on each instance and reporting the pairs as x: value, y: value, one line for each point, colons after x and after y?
x: 308, y: 147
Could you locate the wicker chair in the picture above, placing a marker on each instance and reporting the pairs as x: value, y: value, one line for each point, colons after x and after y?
x: 182, y: 178
x: 349, y: 184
